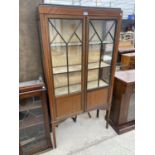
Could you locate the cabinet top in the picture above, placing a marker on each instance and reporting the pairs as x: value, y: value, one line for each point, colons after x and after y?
x: 127, y: 76
x: 31, y: 85
x: 126, y: 50
x: 78, y: 10
x: 129, y: 54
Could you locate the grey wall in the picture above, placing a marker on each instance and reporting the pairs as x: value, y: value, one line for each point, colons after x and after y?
x: 30, y: 66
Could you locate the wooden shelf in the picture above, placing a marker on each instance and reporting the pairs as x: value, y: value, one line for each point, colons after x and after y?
x: 58, y: 55
x: 75, y: 78
x: 75, y: 88
x: 99, y: 43
x: 63, y: 69
x: 27, y: 141
x: 74, y: 68
x: 61, y: 91
x: 62, y: 45
x: 57, y: 70
x: 95, y: 65
x: 30, y: 83
x: 59, y: 59
x: 64, y: 90
x: 36, y: 144
x: 93, y: 75
x: 61, y: 79
x: 94, y: 84
x: 31, y: 121
x: 31, y: 140
x: 29, y: 106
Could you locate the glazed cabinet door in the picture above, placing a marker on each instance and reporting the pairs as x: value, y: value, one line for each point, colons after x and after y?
x: 34, y: 134
x: 101, y: 37
x: 66, y: 52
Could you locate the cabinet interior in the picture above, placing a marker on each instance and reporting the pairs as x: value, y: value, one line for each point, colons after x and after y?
x: 66, y: 49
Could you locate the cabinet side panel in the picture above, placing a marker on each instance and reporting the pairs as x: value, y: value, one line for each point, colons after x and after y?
x: 97, y: 98
x: 116, y: 101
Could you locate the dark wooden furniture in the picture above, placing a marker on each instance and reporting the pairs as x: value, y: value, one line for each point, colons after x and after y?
x: 127, y: 61
x: 34, y: 133
x: 122, y: 115
x: 124, y: 50
x: 80, y: 47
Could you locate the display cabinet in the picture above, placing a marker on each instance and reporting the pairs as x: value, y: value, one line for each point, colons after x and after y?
x: 122, y: 116
x: 79, y: 54
x: 34, y: 133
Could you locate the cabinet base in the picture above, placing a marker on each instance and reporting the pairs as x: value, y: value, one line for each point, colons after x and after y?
x: 120, y: 129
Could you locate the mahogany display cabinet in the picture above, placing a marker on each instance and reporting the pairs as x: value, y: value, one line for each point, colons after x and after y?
x: 34, y: 126
x: 122, y: 115
x: 80, y: 47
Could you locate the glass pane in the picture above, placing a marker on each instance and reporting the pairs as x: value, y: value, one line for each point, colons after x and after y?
x: 61, y: 84
x: 61, y: 91
x: 32, y: 134
x: 74, y: 78
x: 95, y: 79
x: 75, y: 88
x: 58, y: 55
x: 75, y: 55
x: 94, y: 53
x: 96, y: 84
x: 60, y: 80
x: 105, y: 74
x: 101, y: 39
x: 29, y: 103
x: 108, y: 53
x: 93, y: 75
x: 65, y: 28
x: 75, y: 82
x: 66, y: 52
x: 96, y: 26
x: 30, y: 118
x: 33, y: 139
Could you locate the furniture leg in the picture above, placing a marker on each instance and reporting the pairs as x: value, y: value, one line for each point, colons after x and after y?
x: 54, y: 135
x: 89, y: 115
x: 74, y: 118
x: 97, y: 114
x: 107, y: 118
